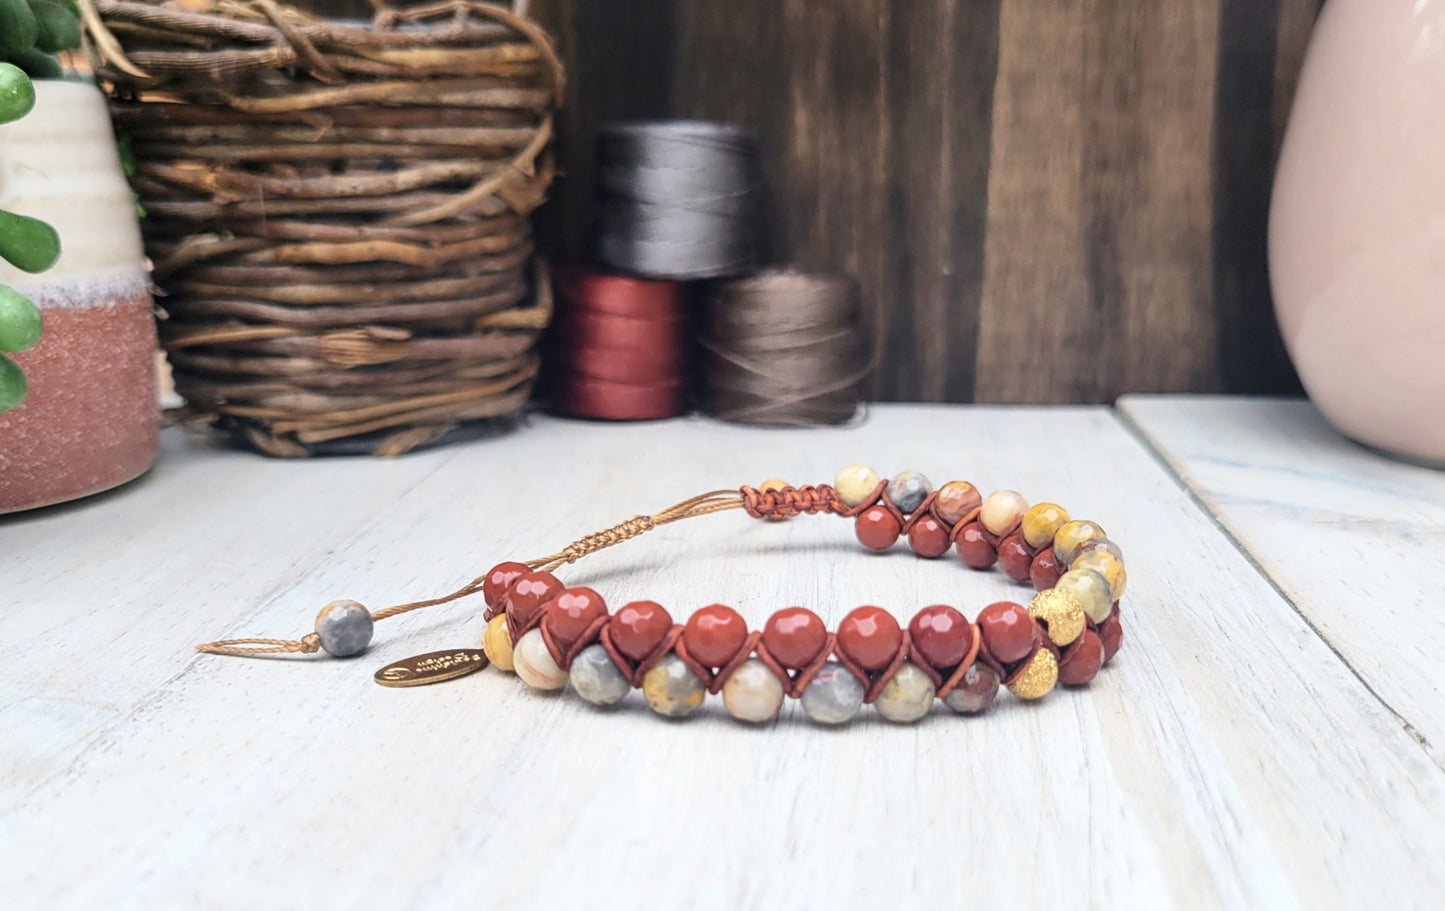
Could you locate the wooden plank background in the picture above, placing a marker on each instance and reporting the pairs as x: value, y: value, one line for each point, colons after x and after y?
x: 1042, y: 200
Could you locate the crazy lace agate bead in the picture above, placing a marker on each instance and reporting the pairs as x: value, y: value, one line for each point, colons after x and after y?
x: 672, y: 689
x: 908, y: 490
x: 1106, y: 565
x: 497, y: 643
x: 1040, y: 523
x: 344, y: 628
x: 753, y: 693
x: 1070, y: 535
x: 908, y: 696
x: 975, y: 691
x: 1002, y: 511
x: 833, y: 696
x: 1091, y: 544
x: 956, y: 499
x: 854, y: 484
x: 596, y: 678
x: 1092, y: 591
x: 535, y: 665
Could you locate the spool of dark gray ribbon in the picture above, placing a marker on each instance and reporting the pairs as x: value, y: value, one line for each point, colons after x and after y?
x: 782, y: 347
x: 677, y: 199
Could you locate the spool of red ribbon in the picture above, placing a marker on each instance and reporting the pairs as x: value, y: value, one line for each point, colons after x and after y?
x: 618, y: 347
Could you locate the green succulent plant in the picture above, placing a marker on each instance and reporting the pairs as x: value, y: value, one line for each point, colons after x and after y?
x: 31, y: 31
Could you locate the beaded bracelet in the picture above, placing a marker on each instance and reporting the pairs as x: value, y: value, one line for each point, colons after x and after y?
x: 550, y: 634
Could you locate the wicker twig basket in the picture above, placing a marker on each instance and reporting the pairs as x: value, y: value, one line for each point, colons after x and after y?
x: 337, y: 213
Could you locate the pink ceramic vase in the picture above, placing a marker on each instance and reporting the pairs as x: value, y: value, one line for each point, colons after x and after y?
x: 90, y: 419
x: 1357, y: 224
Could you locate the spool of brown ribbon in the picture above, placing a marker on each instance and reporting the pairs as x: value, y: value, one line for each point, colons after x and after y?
x: 618, y: 347
x: 782, y: 347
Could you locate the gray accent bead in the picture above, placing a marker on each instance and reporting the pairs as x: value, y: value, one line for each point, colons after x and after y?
x: 909, y: 490
x: 596, y: 678
x: 345, y: 628
x: 833, y: 696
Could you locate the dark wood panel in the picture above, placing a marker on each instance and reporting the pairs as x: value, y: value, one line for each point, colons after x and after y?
x: 1042, y: 200
x: 1148, y: 99
x: 822, y: 127
x: 620, y: 66
x: 1037, y: 326
x: 941, y: 72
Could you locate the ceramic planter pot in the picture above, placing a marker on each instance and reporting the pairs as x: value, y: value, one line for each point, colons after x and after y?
x: 90, y: 420
x: 1357, y: 237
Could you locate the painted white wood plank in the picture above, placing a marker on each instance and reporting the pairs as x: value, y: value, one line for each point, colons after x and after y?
x: 1356, y: 540
x: 102, y: 598
x: 1227, y: 758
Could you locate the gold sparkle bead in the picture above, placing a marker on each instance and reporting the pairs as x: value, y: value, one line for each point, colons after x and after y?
x: 1002, y: 510
x: 1070, y: 535
x: 1106, y: 565
x: 1058, y: 609
x: 497, y: 643
x: 1041, y: 521
x: 1038, y: 678
x: 854, y: 484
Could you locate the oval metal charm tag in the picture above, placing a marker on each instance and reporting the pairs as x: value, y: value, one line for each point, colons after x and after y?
x: 433, y: 667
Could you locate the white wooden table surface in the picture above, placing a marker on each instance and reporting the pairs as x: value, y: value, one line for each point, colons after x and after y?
x: 1268, y: 736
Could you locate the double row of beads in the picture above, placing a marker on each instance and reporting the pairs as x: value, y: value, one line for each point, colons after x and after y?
x: 552, y: 635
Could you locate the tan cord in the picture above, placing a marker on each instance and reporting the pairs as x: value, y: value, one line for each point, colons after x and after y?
x: 305, y: 645
x: 700, y: 505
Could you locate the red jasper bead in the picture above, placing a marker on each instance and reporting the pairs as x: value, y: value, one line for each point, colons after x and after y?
x: 870, y: 636
x: 638, y: 628
x: 1111, y: 632
x: 974, y: 548
x: 714, y: 634
x: 1082, y: 660
x: 942, y: 635
x: 1008, y: 631
x: 570, y: 613
x: 1015, y: 558
x: 500, y: 578
x: 527, y: 595
x: 795, y: 636
x: 876, y: 528
x: 928, y: 538
x: 1045, y: 571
